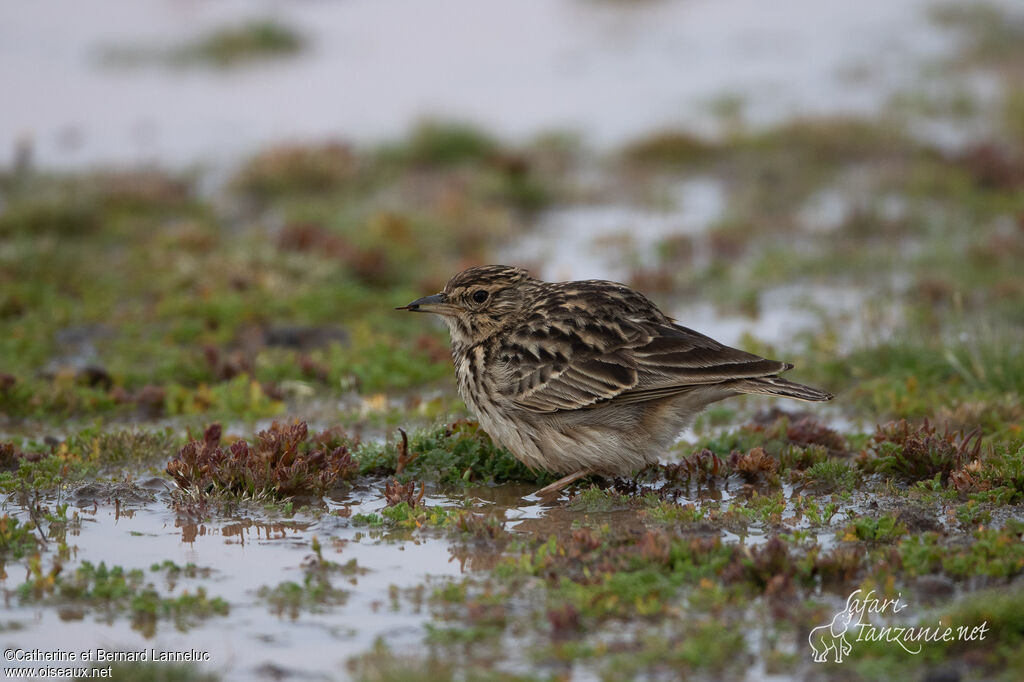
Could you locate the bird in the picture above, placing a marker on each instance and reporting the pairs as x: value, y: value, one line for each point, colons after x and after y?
x: 586, y: 377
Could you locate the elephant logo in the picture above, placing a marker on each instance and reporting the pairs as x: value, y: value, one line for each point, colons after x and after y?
x: 832, y: 637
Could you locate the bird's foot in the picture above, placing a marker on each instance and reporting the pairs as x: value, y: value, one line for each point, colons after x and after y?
x: 555, y: 487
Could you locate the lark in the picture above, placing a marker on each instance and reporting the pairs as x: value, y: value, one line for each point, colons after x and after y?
x: 586, y: 377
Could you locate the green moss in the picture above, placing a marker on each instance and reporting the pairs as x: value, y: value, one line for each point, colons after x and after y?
x: 452, y: 454
x: 834, y: 474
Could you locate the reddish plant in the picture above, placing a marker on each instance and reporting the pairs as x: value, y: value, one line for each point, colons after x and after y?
x: 395, y: 493
x: 282, y: 463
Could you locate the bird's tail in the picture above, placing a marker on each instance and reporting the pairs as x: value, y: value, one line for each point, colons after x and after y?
x: 782, y: 387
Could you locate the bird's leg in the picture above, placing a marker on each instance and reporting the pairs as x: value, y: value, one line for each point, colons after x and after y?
x: 561, y: 483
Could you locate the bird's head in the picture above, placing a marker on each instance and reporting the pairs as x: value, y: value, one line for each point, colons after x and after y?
x: 478, y: 302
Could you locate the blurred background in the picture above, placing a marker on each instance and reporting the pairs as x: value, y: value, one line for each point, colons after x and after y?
x: 212, y: 206
x: 192, y: 81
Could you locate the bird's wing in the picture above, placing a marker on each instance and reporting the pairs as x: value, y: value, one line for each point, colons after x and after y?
x: 574, y: 366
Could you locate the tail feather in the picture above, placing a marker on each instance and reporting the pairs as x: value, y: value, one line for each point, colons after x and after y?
x: 782, y: 387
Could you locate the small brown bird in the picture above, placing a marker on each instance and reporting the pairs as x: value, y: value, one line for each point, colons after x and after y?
x: 586, y: 377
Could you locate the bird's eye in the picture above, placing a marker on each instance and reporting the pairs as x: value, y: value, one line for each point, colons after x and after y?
x: 479, y: 295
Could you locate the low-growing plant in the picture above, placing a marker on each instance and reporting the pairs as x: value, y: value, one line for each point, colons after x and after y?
x: 115, y: 590
x: 17, y: 538
x: 919, y: 453
x: 457, y: 453
x: 882, y: 529
x: 283, y: 463
x: 834, y: 474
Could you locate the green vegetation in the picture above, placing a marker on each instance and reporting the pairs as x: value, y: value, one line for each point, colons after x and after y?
x: 234, y: 45
x: 139, y: 312
x: 883, y: 529
x: 16, y: 538
x: 110, y: 592
x: 226, y: 47
x: 452, y: 454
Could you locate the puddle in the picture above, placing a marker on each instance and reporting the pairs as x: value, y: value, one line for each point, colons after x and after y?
x: 608, y: 241
x: 397, y: 568
x: 244, y: 554
x: 785, y: 312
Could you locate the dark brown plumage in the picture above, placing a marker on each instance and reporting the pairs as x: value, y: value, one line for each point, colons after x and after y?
x: 586, y: 376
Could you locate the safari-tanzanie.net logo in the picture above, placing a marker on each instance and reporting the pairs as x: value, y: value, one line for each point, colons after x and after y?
x: 853, y: 624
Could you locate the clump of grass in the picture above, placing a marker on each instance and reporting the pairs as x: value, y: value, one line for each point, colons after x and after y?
x: 670, y: 513
x: 594, y: 499
x: 148, y: 607
x: 833, y: 474
x: 71, y: 216
x: 296, y: 170
x: 1002, y: 610
x: 235, y: 45
x: 818, y: 516
x: 241, y: 395
x: 918, y: 453
x: 882, y: 529
x: 456, y: 454
x: 283, y: 462
x: 1002, y: 469
x: 671, y: 148
x: 47, y: 472
x: 436, y: 143
x: 122, y: 446
x: 407, y: 517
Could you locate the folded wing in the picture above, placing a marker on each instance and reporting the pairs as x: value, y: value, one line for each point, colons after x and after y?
x: 566, y: 366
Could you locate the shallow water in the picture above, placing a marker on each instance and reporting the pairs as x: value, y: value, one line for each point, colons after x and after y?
x: 252, y: 549
x: 245, y: 553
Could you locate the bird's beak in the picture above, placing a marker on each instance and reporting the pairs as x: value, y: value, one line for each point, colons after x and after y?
x: 438, y: 303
